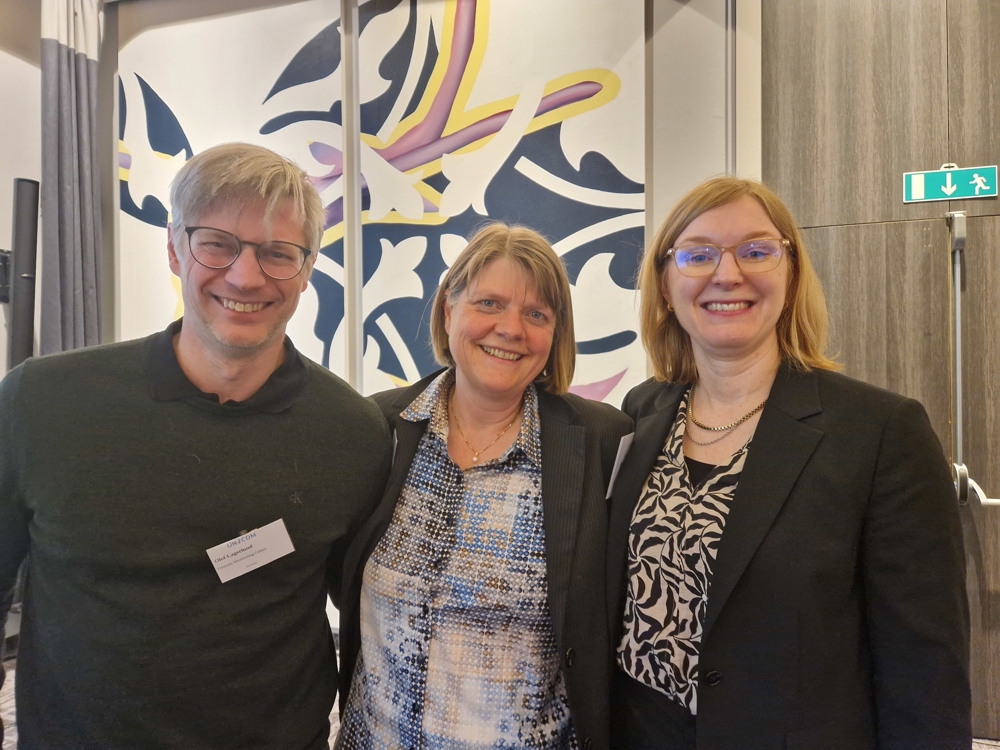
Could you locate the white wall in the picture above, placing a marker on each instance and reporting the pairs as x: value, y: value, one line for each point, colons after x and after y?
x: 749, y: 154
x: 687, y: 75
x: 20, y: 136
x: 686, y: 59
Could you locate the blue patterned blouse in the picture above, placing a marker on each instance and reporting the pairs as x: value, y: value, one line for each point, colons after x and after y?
x: 457, y: 644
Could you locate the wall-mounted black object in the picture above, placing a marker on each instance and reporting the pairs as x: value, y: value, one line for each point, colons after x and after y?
x: 4, y: 276
x: 24, y: 248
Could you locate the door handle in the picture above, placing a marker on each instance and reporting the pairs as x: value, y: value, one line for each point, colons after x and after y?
x: 968, y: 489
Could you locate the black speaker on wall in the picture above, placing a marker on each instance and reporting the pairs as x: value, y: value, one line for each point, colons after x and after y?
x: 21, y: 272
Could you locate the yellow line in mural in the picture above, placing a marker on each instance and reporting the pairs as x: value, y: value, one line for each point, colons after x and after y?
x: 458, y: 118
x: 431, y: 219
x: 332, y: 234
x: 435, y: 81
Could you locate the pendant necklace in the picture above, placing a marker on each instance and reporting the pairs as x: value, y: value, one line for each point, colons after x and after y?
x: 475, y: 453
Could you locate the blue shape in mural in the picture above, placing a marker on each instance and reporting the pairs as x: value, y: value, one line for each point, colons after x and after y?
x: 151, y: 211
x: 315, y: 61
x: 606, y: 343
x: 393, y: 65
x: 165, y: 134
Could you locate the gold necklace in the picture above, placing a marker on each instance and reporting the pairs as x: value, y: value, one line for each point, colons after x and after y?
x: 723, y: 436
x: 728, y: 427
x: 475, y: 453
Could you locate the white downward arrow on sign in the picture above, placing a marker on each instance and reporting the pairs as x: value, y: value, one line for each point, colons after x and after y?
x: 948, y: 188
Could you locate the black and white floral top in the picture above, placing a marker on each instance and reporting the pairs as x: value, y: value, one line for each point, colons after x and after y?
x: 673, y: 542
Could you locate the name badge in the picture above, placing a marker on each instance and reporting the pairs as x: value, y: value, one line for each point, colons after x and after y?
x: 251, y: 550
x: 623, y: 445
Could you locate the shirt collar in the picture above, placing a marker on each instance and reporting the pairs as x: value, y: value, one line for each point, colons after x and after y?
x: 432, y: 405
x: 169, y: 383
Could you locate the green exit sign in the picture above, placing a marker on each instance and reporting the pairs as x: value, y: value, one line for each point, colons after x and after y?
x: 950, y: 184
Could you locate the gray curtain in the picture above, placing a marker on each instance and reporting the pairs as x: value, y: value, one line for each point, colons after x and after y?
x: 70, y: 190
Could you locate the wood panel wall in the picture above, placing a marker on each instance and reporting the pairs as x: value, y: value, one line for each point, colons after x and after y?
x: 981, y: 452
x: 888, y: 292
x: 974, y: 90
x: 981, y: 354
x: 855, y: 93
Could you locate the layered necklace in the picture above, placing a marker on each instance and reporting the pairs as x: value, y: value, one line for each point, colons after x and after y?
x: 725, y: 429
x: 475, y: 453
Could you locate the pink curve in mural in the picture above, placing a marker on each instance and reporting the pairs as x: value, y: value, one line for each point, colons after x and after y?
x: 491, y: 125
x: 432, y: 125
x: 599, y: 390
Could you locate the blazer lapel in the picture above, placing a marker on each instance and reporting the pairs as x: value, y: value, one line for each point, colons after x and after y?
x: 563, y: 453
x: 647, y: 444
x: 780, y: 450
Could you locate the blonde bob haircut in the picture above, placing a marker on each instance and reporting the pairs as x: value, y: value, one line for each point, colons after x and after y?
x: 238, y: 173
x: 544, y: 270
x: 802, y: 325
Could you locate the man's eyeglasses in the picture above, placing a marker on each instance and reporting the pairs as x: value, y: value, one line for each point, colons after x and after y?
x: 752, y: 256
x: 215, y: 248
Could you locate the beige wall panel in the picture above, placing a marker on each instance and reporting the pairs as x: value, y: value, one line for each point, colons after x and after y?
x: 981, y: 452
x: 887, y: 288
x: 974, y: 82
x: 854, y: 95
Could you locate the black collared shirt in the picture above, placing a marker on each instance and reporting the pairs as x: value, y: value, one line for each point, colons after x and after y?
x: 169, y: 383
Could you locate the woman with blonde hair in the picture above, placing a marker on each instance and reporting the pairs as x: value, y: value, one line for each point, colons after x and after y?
x: 474, y: 613
x: 785, y: 561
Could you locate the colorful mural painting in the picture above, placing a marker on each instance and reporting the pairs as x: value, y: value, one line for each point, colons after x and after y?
x: 471, y: 111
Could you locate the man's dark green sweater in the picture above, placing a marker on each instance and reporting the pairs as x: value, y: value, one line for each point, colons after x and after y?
x: 118, y: 474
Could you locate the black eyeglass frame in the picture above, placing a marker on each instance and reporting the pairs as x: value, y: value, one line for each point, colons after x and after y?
x: 786, y: 246
x: 256, y: 252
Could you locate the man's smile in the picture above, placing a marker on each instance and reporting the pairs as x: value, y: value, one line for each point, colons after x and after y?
x: 247, y: 307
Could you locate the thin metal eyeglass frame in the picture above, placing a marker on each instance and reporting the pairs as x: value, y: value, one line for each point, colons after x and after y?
x: 256, y: 252
x: 786, y: 245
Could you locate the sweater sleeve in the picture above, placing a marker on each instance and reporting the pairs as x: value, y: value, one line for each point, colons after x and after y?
x: 914, y: 573
x: 378, y: 474
x: 13, y: 514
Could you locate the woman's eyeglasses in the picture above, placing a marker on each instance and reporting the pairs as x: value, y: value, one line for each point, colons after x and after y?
x: 752, y: 256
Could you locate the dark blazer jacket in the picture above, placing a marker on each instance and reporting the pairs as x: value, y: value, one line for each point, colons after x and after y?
x: 837, y: 617
x: 579, y: 440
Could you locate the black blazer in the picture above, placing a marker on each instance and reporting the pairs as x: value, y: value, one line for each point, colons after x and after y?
x: 579, y: 440
x: 837, y: 617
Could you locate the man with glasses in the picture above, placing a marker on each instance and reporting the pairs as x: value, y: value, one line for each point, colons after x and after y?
x: 186, y: 499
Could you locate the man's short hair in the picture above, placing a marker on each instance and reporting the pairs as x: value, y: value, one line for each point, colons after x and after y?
x: 543, y: 268
x: 241, y: 172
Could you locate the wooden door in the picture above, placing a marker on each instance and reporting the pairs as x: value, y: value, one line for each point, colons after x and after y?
x: 855, y: 93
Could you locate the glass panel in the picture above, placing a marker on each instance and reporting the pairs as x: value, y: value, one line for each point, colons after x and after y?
x: 519, y: 111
